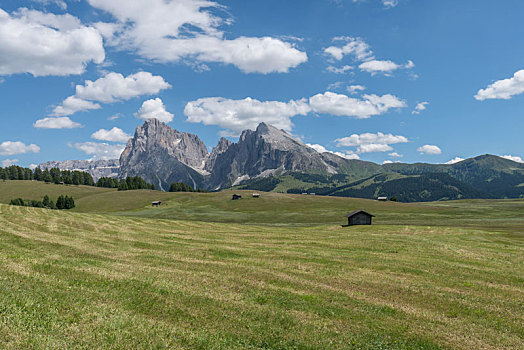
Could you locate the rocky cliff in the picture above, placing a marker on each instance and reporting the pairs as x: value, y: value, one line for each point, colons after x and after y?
x: 161, y: 155
x: 97, y: 169
x: 263, y: 152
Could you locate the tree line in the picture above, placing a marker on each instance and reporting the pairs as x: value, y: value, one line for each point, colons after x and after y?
x: 62, y: 203
x: 183, y: 187
x: 75, y: 177
x: 129, y: 183
x: 55, y: 175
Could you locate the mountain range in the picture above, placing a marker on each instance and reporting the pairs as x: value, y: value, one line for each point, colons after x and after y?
x: 270, y: 159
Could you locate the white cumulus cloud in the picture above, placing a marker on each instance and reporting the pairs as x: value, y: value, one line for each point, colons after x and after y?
x: 339, y: 70
x: 8, y: 162
x: 383, y: 66
x: 9, y: 148
x: 238, y: 115
x: 112, y: 87
x: 355, y: 47
x: 188, y: 31
x: 322, y: 149
x: 45, y: 44
x: 503, y: 89
x: 56, y: 123
x: 113, y: 135
x: 100, y: 151
x: 395, y: 154
x: 390, y: 3
x: 154, y: 109
x: 369, y: 142
x: 454, y: 160
x: 342, y: 105
x: 353, y: 89
x: 429, y: 149
x: 422, y: 106
x: 513, y: 158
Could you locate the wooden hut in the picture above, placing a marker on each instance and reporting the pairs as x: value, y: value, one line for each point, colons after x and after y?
x: 156, y: 203
x: 256, y: 195
x: 236, y: 197
x: 359, y: 217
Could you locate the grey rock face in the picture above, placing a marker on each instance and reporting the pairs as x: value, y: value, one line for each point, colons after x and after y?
x: 264, y: 152
x: 161, y: 155
x: 97, y: 169
x: 222, y: 146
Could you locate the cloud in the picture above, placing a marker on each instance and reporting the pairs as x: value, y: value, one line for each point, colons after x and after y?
x: 360, y: 51
x: 188, y: 31
x: 395, y: 154
x: 503, y: 89
x: 56, y: 123
x: 341, y: 70
x: 429, y: 149
x: 45, y: 44
x: 368, y: 142
x: 387, y: 162
x: 100, y: 151
x: 154, y: 109
x: 369, y: 138
x: 355, y: 47
x: 386, y: 67
x: 60, y: 3
x: 238, y: 115
x: 8, y: 162
x: 390, y: 3
x: 454, y: 160
x: 420, y: 107
x: 115, y: 116
x: 353, y: 89
x: 113, y: 135
x: 112, y: 87
x: 33, y: 166
x: 342, y: 105
x: 9, y: 148
x: 513, y: 158
x: 322, y: 149
x: 73, y: 104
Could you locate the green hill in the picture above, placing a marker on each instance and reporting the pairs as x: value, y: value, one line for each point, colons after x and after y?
x: 485, y: 176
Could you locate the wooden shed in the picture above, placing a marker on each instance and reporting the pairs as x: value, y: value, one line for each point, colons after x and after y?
x: 156, y: 203
x: 236, y: 197
x: 359, y: 217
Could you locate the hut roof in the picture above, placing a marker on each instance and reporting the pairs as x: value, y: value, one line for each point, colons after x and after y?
x: 358, y: 212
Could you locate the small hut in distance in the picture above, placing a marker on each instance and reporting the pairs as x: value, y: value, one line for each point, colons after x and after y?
x: 359, y: 217
x: 156, y: 203
x: 236, y: 197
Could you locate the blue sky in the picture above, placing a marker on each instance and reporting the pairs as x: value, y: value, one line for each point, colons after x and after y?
x: 379, y: 80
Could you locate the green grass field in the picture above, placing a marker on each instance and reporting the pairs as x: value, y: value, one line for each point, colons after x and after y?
x: 279, y: 272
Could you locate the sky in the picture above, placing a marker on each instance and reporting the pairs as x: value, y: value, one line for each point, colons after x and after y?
x: 377, y: 80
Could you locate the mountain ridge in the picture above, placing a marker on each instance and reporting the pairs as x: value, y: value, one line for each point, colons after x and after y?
x: 268, y: 158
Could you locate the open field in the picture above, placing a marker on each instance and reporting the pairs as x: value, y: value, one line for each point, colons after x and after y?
x: 97, y: 281
x: 446, y: 275
x: 276, y: 209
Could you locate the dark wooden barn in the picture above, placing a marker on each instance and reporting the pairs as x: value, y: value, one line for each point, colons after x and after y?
x: 359, y: 217
x: 236, y: 197
x: 156, y: 203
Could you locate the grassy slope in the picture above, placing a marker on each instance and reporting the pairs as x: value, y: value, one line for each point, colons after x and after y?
x: 73, y: 280
x: 274, y: 208
x: 37, y: 190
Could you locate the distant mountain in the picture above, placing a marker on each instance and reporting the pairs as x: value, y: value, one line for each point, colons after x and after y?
x: 161, y: 156
x: 270, y: 159
x: 97, y: 169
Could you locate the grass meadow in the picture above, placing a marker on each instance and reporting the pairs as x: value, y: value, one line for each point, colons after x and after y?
x: 279, y: 272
